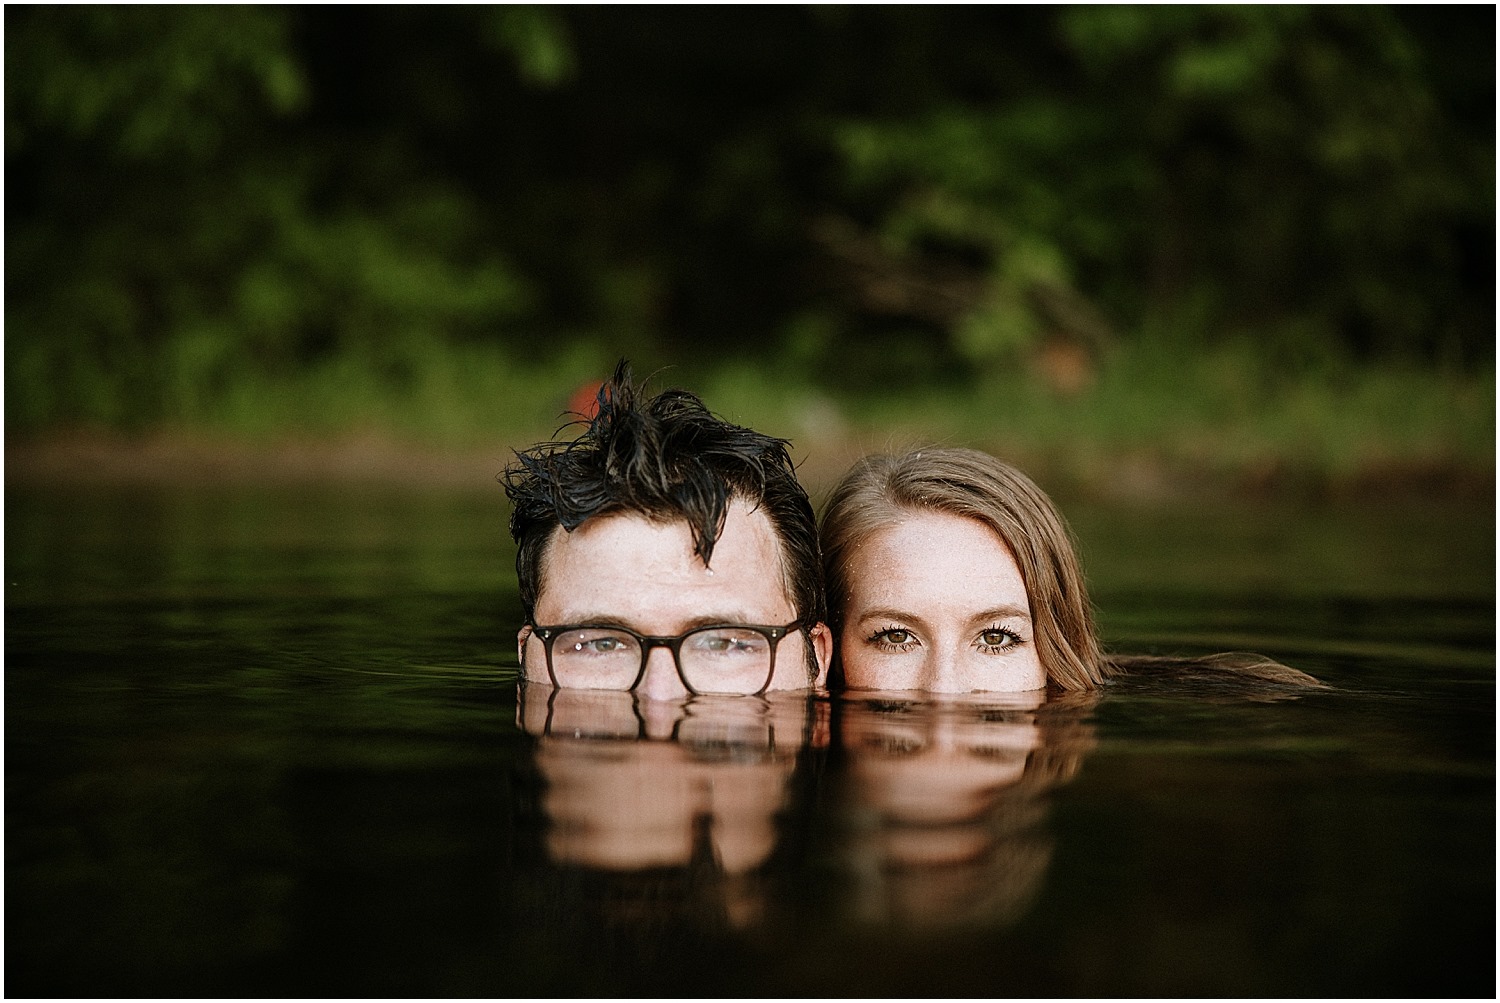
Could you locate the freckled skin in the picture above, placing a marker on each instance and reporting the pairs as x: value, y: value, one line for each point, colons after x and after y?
x: 944, y: 583
x: 628, y: 569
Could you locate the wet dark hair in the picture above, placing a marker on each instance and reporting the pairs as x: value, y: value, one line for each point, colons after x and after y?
x: 668, y: 458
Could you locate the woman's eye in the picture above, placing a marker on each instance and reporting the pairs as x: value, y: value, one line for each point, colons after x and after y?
x: 893, y: 745
x: 998, y: 639
x: 894, y: 639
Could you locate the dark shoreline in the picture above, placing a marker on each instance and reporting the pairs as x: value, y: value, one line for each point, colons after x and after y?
x: 158, y: 461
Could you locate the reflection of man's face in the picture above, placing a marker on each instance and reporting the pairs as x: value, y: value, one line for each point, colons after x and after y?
x: 635, y: 784
x: 626, y: 570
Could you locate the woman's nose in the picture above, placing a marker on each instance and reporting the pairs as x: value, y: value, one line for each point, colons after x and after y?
x: 661, y: 681
x: 945, y: 672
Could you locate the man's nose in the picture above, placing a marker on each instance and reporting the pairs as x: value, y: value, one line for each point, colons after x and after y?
x: 661, y: 681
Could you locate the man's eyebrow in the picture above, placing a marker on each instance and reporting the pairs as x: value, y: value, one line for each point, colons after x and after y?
x: 591, y: 619
x: 692, y: 623
x: 710, y: 620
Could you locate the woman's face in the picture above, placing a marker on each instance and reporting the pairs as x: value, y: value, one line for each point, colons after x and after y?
x: 937, y: 603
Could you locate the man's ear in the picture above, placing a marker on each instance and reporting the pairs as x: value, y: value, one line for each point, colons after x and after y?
x: 822, y: 642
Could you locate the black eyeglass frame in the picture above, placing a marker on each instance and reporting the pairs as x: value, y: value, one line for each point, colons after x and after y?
x: 770, y: 632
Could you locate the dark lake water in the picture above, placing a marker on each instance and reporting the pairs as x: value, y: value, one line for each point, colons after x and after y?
x: 271, y: 743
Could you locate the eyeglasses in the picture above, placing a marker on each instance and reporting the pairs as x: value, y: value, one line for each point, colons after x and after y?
x: 731, y: 658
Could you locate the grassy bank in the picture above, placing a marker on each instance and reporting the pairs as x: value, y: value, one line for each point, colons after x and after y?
x: 1142, y: 420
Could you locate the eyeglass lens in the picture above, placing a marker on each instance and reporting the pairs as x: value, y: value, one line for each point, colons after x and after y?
x: 711, y: 660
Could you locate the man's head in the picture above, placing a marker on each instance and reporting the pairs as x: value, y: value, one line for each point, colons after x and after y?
x: 623, y: 525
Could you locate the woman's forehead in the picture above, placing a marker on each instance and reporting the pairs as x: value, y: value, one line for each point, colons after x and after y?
x: 933, y: 553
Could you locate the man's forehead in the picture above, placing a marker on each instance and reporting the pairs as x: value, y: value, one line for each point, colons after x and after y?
x: 746, y: 532
x: 626, y: 564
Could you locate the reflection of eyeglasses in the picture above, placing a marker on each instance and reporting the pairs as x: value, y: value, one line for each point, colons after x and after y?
x: 740, y: 743
x: 712, y: 738
x: 730, y: 659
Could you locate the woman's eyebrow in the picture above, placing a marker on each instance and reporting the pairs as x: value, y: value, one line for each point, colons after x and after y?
x: 889, y: 613
x: 1006, y: 612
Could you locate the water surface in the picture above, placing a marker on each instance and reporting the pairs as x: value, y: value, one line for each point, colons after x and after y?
x: 271, y: 743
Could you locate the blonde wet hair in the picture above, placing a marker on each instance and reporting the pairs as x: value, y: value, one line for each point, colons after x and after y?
x: 879, y: 490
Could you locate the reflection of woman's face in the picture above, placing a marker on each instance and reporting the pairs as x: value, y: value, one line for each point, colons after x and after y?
x: 937, y: 603
x: 938, y: 764
x: 945, y: 831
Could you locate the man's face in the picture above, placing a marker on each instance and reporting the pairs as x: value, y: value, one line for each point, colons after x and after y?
x: 626, y: 570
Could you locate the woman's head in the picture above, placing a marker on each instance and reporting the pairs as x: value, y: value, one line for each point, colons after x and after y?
x: 935, y: 487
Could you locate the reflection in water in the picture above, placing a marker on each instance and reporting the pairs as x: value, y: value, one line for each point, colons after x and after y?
x: 945, y: 802
x: 261, y: 744
x: 641, y: 787
x: 938, y: 807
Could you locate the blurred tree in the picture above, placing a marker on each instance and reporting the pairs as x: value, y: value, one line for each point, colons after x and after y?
x: 1290, y: 172
x: 181, y: 211
x: 196, y: 193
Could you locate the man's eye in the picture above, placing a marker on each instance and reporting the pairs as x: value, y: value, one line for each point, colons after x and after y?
x: 599, y: 645
x: 727, y: 643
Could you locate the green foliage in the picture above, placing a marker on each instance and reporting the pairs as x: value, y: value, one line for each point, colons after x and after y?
x: 1226, y: 411
x: 175, y: 252
x: 323, y: 219
x: 1294, y: 166
x: 146, y: 82
x: 536, y: 38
